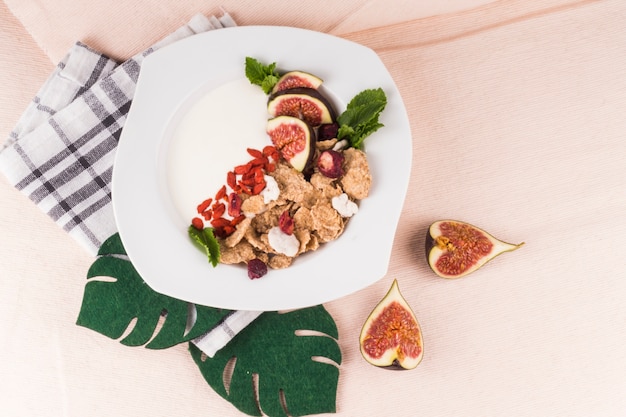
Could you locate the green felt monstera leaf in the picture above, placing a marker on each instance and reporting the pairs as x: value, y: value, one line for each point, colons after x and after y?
x: 115, y: 296
x: 284, y: 365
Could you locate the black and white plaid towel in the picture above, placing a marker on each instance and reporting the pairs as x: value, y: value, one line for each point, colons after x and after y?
x: 61, y: 152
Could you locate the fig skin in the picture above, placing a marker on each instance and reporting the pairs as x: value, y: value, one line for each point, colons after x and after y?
x: 394, y: 357
x: 314, y: 97
x: 294, y: 79
x: 479, y: 247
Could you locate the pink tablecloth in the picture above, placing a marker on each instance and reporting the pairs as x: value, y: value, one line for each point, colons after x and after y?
x: 518, y: 123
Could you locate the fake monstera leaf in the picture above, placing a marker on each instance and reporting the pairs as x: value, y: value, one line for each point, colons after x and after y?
x: 275, y: 367
x: 284, y: 365
x: 115, y: 296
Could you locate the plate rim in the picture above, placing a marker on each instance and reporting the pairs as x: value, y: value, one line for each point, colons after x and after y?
x: 135, y: 118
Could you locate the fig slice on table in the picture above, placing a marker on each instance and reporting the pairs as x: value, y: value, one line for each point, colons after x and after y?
x: 304, y: 103
x: 294, y: 79
x: 294, y: 139
x: 455, y: 249
x: 391, y: 336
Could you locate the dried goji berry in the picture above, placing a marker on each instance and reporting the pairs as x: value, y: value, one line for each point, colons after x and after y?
x: 255, y: 153
x: 245, y: 188
x: 258, y: 188
x: 219, y: 232
x: 223, y: 231
x: 207, y: 214
x: 204, y: 205
x: 218, y: 210
x: 242, y: 169
x: 258, y: 162
x: 197, y: 223
x: 221, y: 193
x: 259, y: 176
x: 229, y: 230
x: 268, y: 151
x: 231, y: 179
x: 220, y: 222
x: 237, y: 220
x: 248, y: 175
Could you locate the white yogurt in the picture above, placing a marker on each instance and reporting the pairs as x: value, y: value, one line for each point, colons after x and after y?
x: 211, y: 139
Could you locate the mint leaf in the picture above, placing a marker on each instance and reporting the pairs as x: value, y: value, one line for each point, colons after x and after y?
x: 206, y: 240
x: 265, y: 76
x: 361, y: 114
x: 345, y: 131
x: 360, y: 119
x: 374, y: 99
x: 268, y: 83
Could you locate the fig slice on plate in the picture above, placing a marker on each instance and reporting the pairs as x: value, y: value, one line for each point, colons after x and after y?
x: 391, y: 336
x: 294, y: 79
x: 455, y: 249
x: 294, y: 139
x: 304, y: 103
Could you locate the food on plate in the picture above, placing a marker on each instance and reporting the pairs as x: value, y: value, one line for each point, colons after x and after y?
x: 294, y: 139
x: 295, y: 79
x: 391, y: 336
x: 256, y: 268
x: 307, y: 104
x: 455, y: 249
x: 330, y: 163
x: 301, y: 189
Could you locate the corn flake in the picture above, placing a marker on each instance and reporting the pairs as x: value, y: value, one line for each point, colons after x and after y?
x: 309, y: 203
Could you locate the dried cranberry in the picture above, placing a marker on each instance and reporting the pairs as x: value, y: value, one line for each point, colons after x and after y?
x: 256, y: 268
x: 327, y: 131
x: 330, y: 164
x: 285, y: 222
x: 234, y: 205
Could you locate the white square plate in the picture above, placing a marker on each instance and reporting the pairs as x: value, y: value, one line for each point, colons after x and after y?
x: 151, y: 226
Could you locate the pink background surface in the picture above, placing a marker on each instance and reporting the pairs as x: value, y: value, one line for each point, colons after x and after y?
x: 518, y: 124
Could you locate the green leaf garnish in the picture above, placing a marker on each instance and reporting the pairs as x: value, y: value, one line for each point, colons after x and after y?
x: 206, y: 240
x: 265, y: 76
x: 360, y: 119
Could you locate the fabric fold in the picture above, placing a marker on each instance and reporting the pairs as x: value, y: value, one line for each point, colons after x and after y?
x: 61, y: 152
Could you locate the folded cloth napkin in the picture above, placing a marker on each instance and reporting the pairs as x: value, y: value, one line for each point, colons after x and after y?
x: 62, y: 149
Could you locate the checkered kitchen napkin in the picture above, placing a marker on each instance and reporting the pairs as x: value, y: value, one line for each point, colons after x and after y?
x: 62, y: 149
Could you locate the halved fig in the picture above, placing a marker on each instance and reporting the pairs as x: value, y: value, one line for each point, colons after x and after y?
x: 294, y: 79
x: 391, y: 336
x: 304, y: 103
x: 294, y: 139
x: 455, y: 249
